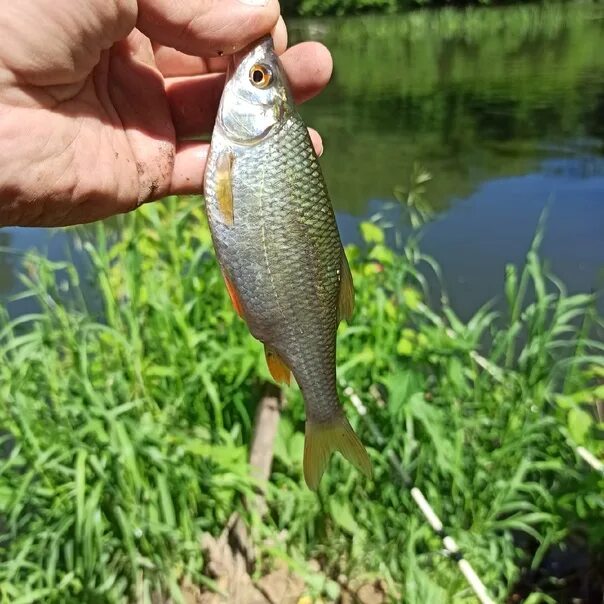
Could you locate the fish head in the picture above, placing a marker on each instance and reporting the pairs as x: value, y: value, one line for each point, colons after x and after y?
x: 256, y: 99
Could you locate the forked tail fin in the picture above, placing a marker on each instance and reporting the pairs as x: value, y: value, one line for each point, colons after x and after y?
x: 322, y: 439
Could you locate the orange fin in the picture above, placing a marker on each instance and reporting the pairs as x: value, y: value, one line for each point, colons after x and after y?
x: 233, y: 295
x: 321, y: 440
x: 346, y: 296
x: 224, y: 187
x: 279, y: 370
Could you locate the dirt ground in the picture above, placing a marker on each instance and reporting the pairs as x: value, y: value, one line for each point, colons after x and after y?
x: 228, y: 564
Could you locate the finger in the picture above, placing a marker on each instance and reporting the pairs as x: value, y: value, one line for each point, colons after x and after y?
x: 138, y: 97
x: 139, y: 47
x: 317, y: 141
x: 194, y: 101
x: 206, y: 27
x: 308, y: 66
x: 174, y: 63
x: 190, y: 164
x: 279, y: 35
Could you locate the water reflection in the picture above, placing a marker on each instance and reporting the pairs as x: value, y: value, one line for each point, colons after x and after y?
x: 54, y: 244
x: 505, y: 107
x: 472, y: 95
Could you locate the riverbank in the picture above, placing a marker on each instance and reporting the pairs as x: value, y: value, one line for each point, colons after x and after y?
x: 128, y: 424
x: 319, y: 8
x: 501, y: 106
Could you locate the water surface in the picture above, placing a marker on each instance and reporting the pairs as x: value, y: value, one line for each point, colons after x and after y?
x: 503, y: 107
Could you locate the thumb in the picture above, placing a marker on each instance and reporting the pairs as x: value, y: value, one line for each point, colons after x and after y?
x: 207, y: 27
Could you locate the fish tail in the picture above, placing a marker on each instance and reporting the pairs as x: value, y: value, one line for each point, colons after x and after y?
x: 322, y: 439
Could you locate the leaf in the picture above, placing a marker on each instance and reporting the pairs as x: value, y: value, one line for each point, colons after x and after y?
x: 564, y: 401
x: 342, y: 516
x: 511, y: 285
x: 579, y: 423
x: 404, y: 347
x: 166, y: 501
x: 36, y: 595
x: 281, y: 449
x: 401, y: 386
x: 412, y: 298
x: 455, y: 371
x: 296, y: 447
x: 382, y: 254
x: 371, y: 232
x: 80, y: 490
x: 332, y: 590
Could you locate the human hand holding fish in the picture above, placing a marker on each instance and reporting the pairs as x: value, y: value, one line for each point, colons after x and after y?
x: 100, y: 102
x: 101, y: 108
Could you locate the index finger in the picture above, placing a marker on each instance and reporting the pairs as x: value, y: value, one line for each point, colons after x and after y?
x: 207, y: 28
x: 173, y: 63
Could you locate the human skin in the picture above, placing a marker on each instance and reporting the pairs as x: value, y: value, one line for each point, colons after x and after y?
x: 99, y: 99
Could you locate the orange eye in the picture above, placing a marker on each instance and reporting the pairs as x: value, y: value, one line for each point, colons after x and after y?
x: 260, y: 76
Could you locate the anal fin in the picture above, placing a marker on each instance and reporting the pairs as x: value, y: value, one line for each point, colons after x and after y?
x: 279, y: 370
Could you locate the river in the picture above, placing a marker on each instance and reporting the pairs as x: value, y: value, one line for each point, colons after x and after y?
x: 503, y: 107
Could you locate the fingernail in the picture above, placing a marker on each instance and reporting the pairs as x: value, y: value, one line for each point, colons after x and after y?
x: 254, y: 2
x: 317, y: 141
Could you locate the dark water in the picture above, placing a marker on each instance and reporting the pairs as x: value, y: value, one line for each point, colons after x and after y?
x: 503, y: 107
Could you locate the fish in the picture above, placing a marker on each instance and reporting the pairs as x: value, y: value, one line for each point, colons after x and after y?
x: 277, y: 243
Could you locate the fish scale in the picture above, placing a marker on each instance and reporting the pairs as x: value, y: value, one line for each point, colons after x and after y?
x: 285, y: 210
x: 277, y: 242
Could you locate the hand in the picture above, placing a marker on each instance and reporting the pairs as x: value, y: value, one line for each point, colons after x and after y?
x: 98, y: 97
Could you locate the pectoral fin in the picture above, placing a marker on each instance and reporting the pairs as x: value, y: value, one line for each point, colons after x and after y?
x: 279, y: 370
x: 321, y: 440
x: 224, y: 187
x: 346, y: 297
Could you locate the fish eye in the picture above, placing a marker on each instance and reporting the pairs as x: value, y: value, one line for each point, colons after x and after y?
x: 260, y: 76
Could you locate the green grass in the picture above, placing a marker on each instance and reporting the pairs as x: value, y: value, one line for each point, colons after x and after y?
x: 126, y: 418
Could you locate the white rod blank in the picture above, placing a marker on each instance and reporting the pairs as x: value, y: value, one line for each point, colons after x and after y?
x: 591, y: 459
x: 430, y: 515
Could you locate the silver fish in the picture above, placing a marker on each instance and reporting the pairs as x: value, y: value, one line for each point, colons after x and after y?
x: 278, y: 246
